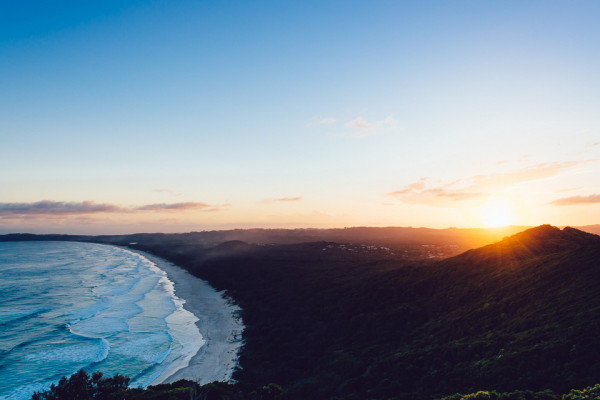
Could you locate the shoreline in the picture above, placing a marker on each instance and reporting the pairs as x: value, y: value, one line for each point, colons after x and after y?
x: 217, y: 320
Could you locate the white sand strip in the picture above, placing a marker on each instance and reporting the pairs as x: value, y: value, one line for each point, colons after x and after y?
x: 218, y: 321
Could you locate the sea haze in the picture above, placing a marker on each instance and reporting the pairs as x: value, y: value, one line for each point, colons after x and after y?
x: 66, y: 306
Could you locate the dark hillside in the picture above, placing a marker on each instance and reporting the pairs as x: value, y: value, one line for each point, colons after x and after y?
x: 540, y: 241
x: 412, y: 243
x: 520, y: 314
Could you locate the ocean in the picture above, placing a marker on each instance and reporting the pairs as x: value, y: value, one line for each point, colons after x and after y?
x: 68, y: 306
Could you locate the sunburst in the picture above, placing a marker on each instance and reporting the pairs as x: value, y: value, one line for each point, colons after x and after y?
x: 497, y: 213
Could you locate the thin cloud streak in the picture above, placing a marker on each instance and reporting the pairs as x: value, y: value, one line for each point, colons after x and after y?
x: 417, y: 186
x: 282, y: 200
x: 568, y: 201
x: 358, y: 126
x: 362, y: 127
x: 47, y: 207
x: 64, y: 208
x: 477, y: 186
x: 174, y: 206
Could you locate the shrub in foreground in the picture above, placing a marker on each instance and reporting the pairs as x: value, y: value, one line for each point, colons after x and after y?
x: 82, y: 386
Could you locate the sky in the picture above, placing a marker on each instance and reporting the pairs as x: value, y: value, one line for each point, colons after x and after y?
x: 123, y: 116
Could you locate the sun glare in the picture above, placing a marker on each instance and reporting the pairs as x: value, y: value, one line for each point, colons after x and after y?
x: 497, y: 213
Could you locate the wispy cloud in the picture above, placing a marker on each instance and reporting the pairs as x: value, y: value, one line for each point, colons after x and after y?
x: 568, y: 201
x: 359, y: 123
x: 326, y: 120
x: 441, y: 195
x: 63, y: 208
x: 358, y: 126
x: 413, y: 187
x: 174, y: 206
x: 449, y: 194
x: 282, y: 200
x: 47, y: 207
x: 204, y: 207
x: 361, y: 127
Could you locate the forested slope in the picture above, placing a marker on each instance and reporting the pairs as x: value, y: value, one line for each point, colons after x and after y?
x: 520, y: 314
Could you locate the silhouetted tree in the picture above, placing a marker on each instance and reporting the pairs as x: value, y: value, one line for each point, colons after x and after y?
x: 82, y: 386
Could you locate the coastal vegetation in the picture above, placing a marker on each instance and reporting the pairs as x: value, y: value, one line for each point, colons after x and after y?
x: 521, y: 314
x: 517, y: 319
x: 82, y: 386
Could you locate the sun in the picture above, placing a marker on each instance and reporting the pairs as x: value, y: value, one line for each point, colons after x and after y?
x: 497, y: 213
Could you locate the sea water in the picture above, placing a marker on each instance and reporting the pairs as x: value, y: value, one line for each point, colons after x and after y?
x: 68, y: 306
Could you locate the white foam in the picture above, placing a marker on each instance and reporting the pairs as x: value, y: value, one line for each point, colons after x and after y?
x: 220, y: 329
x: 99, y: 327
x: 147, y: 347
x: 92, y: 352
x: 187, y: 339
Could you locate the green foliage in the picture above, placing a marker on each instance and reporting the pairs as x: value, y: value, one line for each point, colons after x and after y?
x: 482, y: 395
x: 180, y: 390
x: 516, y: 395
x: 589, y: 393
x: 455, y: 396
x: 82, y: 386
x: 268, y: 392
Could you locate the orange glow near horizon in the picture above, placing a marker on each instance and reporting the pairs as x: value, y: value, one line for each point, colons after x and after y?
x: 497, y: 213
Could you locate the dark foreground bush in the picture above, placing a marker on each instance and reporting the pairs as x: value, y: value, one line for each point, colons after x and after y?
x: 82, y: 386
x: 589, y: 393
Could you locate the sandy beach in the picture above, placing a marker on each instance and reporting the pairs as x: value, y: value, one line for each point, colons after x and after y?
x: 218, y: 321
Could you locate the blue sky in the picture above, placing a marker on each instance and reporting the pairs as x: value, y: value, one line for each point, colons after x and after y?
x: 297, y: 113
